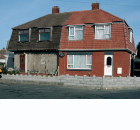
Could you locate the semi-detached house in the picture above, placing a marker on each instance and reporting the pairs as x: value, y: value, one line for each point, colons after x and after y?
x: 90, y: 42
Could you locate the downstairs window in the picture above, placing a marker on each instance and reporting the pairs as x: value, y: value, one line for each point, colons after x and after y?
x: 79, y: 62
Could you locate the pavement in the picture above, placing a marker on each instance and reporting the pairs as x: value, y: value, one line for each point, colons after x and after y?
x: 30, y: 91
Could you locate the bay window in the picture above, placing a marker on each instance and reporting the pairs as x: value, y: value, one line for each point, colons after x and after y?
x: 75, y: 32
x: 24, y: 35
x: 44, y: 34
x: 79, y: 62
x: 103, y: 31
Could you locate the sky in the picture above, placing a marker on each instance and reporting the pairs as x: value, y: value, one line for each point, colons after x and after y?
x: 16, y: 12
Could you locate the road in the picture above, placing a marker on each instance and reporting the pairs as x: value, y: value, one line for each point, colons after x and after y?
x: 26, y: 91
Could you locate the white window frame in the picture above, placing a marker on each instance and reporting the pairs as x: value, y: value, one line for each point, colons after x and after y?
x: 131, y: 34
x: 104, y: 24
x: 74, y: 32
x: 79, y: 68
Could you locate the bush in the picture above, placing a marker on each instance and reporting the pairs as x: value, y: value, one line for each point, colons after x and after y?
x: 5, y: 71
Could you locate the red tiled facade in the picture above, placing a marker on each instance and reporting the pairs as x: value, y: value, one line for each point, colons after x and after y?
x: 119, y: 43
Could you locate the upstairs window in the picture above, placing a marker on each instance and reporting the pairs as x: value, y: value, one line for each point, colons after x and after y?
x: 24, y: 35
x: 76, y: 33
x: 44, y: 34
x: 130, y: 34
x: 103, y: 31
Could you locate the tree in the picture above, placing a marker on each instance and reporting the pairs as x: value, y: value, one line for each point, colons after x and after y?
x: 138, y: 50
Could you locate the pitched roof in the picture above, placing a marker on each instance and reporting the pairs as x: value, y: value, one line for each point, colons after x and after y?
x: 91, y: 16
x: 2, y: 54
x: 71, y: 18
x: 46, y: 21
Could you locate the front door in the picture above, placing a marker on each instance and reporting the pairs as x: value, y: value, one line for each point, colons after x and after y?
x: 108, y: 65
x: 22, y: 62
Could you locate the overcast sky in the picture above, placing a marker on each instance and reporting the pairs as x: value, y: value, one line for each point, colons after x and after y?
x: 16, y: 12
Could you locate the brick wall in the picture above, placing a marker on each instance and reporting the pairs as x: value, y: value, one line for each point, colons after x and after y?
x: 120, y: 59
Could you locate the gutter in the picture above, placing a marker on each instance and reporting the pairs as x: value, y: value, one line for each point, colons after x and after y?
x: 124, y: 49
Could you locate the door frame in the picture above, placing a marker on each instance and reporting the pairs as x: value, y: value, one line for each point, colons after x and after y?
x: 108, y: 54
x: 24, y: 62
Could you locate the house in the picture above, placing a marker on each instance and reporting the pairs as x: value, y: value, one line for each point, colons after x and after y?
x: 7, y: 58
x: 36, y: 43
x: 2, y: 56
x: 91, y: 42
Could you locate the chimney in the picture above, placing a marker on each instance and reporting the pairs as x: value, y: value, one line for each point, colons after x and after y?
x: 55, y: 10
x: 95, y: 6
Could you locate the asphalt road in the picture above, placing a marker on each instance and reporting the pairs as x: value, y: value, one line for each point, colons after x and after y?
x: 24, y: 91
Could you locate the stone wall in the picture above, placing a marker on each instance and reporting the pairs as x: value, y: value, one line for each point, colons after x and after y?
x: 77, y: 81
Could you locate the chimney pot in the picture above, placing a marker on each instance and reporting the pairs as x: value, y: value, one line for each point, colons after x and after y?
x: 95, y: 6
x: 55, y: 10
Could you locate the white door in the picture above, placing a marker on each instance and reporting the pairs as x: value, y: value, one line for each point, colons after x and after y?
x: 108, y: 65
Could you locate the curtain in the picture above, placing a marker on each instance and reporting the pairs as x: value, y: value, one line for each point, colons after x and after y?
x: 107, y: 31
x: 70, y: 61
x: 78, y: 34
x: 99, y: 32
x: 80, y: 61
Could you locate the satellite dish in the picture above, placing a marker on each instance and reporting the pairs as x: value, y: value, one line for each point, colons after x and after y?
x: 62, y: 54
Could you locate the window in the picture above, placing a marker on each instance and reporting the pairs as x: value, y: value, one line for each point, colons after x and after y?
x: 44, y: 34
x: 103, y: 31
x: 130, y: 34
x: 108, y: 61
x: 24, y: 35
x: 79, y: 62
x: 76, y: 33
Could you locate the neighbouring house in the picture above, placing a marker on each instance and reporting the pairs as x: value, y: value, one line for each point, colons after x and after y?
x: 2, y: 56
x: 91, y: 42
x: 7, y: 58
x: 36, y: 43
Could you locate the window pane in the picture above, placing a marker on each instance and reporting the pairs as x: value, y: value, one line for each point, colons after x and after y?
x: 89, y: 59
x: 20, y: 32
x: 99, y: 33
x: 107, y: 36
x: 44, y: 36
x: 100, y: 27
x: 47, y: 30
x: 89, y: 66
x: 79, y: 35
x: 70, y: 66
x: 79, y: 28
x: 26, y: 31
x: 80, y: 61
x: 71, y: 37
x: 109, y: 61
x: 24, y: 37
x: 41, y: 30
x: 70, y: 59
x: 130, y: 34
x: 71, y: 31
x: 107, y: 29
